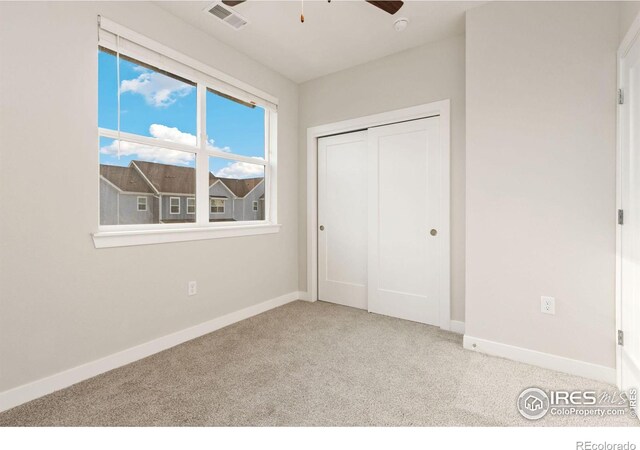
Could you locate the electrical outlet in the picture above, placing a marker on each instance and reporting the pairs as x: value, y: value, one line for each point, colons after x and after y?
x: 548, y: 305
x: 192, y: 289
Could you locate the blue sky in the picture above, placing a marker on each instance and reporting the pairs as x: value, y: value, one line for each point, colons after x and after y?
x: 155, y: 105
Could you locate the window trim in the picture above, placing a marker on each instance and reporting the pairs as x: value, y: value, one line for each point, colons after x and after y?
x: 146, y: 201
x: 128, y: 238
x: 143, y: 44
x: 224, y: 205
x: 191, y: 200
x: 147, y: 51
x: 171, y: 199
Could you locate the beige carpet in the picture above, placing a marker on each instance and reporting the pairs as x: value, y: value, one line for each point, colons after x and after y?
x: 309, y: 364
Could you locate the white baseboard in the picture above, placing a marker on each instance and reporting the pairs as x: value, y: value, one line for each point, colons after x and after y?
x: 456, y: 326
x: 545, y: 360
x: 304, y: 296
x: 27, y: 392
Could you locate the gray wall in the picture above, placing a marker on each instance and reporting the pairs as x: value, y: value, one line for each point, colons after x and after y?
x: 541, y: 165
x: 120, y: 208
x: 166, y: 213
x: 129, y: 214
x: 628, y: 12
x: 244, y: 206
x: 424, y: 74
x: 238, y: 208
x: 108, y: 204
x: 62, y: 302
x: 219, y: 190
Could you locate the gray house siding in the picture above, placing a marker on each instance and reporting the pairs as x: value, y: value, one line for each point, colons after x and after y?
x: 129, y: 214
x: 219, y: 190
x: 238, y: 209
x: 120, y: 208
x: 120, y: 188
x: 244, y: 206
x: 183, y: 216
x: 108, y: 203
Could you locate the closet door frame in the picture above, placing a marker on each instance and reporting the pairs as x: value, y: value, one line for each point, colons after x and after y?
x: 439, y: 108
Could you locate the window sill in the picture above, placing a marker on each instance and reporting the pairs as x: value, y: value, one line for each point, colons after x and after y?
x: 108, y: 239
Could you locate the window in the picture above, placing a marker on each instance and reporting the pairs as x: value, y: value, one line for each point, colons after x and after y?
x: 165, y: 121
x: 174, y: 205
x: 255, y: 206
x: 191, y: 205
x: 142, y: 203
x: 216, y: 205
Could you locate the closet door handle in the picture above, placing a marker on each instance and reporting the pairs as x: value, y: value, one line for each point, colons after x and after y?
x: 433, y: 232
x: 321, y: 227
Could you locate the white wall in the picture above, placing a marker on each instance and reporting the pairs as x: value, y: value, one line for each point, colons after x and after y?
x: 424, y: 74
x: 64, y: 303
x: 628, y: 12
x: 539, y: 188
x: 541, y: 152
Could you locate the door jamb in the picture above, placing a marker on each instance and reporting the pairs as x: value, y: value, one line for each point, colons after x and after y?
x: 633, y: 34
x: 440, y: 108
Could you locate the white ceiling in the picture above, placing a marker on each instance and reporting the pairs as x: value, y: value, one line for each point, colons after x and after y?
x: 334, y: 36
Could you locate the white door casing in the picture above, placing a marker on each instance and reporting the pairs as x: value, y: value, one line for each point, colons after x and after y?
x: 441, y: 108
x: 629, y: 231
x: 342, y: 218
x: 407, y: 237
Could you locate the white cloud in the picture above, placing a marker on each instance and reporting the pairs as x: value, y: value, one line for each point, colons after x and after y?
x: 173, y: 134
x: 241, y: 170
x: 148, y: 153
x: 158, y: 90
x: 211, y: 146
x: 160, y: 155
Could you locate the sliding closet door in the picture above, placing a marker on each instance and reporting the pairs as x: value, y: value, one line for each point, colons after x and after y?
x: 403, y: 202
x: 342, y: 219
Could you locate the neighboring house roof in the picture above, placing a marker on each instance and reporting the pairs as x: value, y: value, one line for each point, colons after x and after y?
x: 168, y: 179
x: 240, y: 187
x: 126, y: 179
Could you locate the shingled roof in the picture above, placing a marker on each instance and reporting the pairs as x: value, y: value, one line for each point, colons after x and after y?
x: 240, y: 187
x: 125, y: 178
x: 168, y: 179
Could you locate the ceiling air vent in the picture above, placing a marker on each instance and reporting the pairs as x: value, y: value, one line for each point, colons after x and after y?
x: 227, y: 15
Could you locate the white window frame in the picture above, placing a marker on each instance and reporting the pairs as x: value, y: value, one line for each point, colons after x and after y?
x: 224, y: 205
x: 146, y: 201
x: 191, y: 204
x: 171, y: 199
x: 254, y: 206
x: 122, y: 40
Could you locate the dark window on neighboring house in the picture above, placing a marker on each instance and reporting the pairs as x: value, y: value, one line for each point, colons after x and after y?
x: 191, y: 205
x: 255, y: 206
x: 174, y: 205
x: 142, y: 203
x: 216, y: 205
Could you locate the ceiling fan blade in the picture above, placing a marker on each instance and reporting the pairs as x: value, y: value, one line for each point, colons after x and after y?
x: 390, y: 7
x: 232, y: 3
